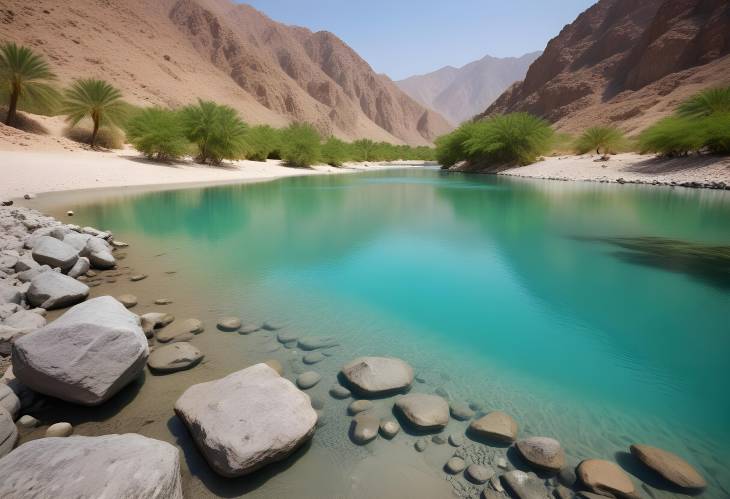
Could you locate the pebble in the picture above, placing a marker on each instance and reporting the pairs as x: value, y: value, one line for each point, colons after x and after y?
x: 308, y: 380
x: 461, y: 411
x: 456, y: 440
x: 455, y: 465
x: 339, y: 392
x: 127, y: 300
x: 271, y: 326
x: 138, y: 277
x: 421, y: 444
x: 287, y: 336
x: 479, y: 474
x: 229, y: 324
x: 364, y: 428
x: 359, y: 406
x: 313, y: 358
x: 163, y: 301
x: 69, y: 213
x: 248, y: 328
x: 28, y: 421
x: 389, y: 427
x: 438, y: 440
x: 60, y: 430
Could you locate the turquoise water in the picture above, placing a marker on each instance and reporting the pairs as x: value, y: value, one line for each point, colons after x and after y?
x: 514, y: 293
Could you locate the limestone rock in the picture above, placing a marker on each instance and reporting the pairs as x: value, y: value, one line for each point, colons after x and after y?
x: 50, y: 251
x: 25, y: 321
x: 542, y: 452
x: 154, y: 320
x: 107, y: 466
x: 8, y: 436
x: 52, y: 290
x: 313, y: 358
x: 604, y: 477
x: 497, y: 426
x: 670, y: 466
x: 9, y: 293
x: 86, y: 355
x: 174, y: 357
x: 80, y: 268
x: 424, y: 411
x: 378, y: 375
x: 246, y: 420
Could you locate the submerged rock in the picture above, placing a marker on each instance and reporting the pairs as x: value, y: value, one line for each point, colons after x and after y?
x: 497, y: 426
x: 670, y: 466
x: 364, y: 428
x: 339, y: 392
x: 313, y: 358
x: 421, y: 444
x: 246, y: 420
x: 52, y: 290
x: 461, y: 411
x: 455, y: 465
x: 424, y: 411
x: 174, y: 357
x: 542, y: 452
x: 389, y: 427
x: 86, y: 355
x: 479, y: 474
x: 248, y: 328
x: 523, y: 486
x: 229, y: 324
x: 317, y: 342
x: 359, y: 406
x: 378, y: 375
x: 178, y: 329
x: 604, y: 477
x: 308, y: 379
x: 107, y: 466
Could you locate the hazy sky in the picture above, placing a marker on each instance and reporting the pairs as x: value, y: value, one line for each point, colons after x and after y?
x: 406, y: 37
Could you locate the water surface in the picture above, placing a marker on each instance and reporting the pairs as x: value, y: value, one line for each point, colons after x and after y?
x: 573, y: 306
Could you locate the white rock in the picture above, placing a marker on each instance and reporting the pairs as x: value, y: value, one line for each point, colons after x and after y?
x: 7, y: 336
x: 9, y: 293
x: 378, y: 375
x: 85, y: 356
x: 28, y: 421
x: 60, y: 430
x: 9, y: 401
x: 8, y: 437
x: 109, y: 466
x: 77, y: 241
x: 51, y: 290
x: 25, y: 321
x: 54, y: 253
x: 247, y: 420
x: 80, y: 268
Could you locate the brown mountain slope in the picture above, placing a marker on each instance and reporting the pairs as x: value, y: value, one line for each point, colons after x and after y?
x: 626, y: 62
x: 173, y: 51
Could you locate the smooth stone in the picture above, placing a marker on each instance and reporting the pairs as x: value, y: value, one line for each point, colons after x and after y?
x: 163, y: 301
x: 155, y: 320
x: 389, y: 427
x: 287, y: 336
x: 455, y: 465
x: 359, y: 406
x: 9, y: 294
x: 50, y: 251
x: 670, y: 466
x: 229, y: 324
x: 60, y: 430
x: 523, y: 486
x: 9, y: 400
x: 424, y: 411
x: 28, y: 421
x: 604, y: 477
x: 119, y: 244
x: 248, y: 328
x: 496, y: 425
x: 562, y: 492
x: 174, y: 357
x: 421, y: 444
x: 542, y: 452
x: 313, y: 358
x: 77, y: 241
x: 51, y: 290
x: 128, y: 301
x: 247, y: 420
x: 8, y: 436
x: 276, y: 366
x: 85, y: 356
x: 100, y: 255
x: 108, y: 466
x: 317, y: 403
x: 138, y: 277
x: 339, y: 392
x: 80, y: 268
x: 438, y: 440
x: 378, y: 375
x: 271, y: 326
x: 308, y: 379
x: 461, y: 411
x: 479, y: 474
x: 25, y: 321
x: 178, y: 329
x: 317, y: 342
x: 456, y: 440
x: 364, y: 428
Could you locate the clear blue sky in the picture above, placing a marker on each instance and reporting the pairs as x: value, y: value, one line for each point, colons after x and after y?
x: 405, y: 37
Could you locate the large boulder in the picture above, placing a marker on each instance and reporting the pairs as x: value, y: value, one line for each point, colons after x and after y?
x: 50, y: 251
x: 670, y: 466
x: 88, y: 467
x: 605, y: 477
x: 247, y: 420
x: 497, y: 426
x: 378, y: 375
x: 424, y: 411
x: 86, y: 355
x: 8, y: 437
x: 542, y: 452
x: 51, y: 290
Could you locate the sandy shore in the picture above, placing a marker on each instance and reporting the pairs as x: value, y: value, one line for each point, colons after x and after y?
x: 695, y: 171
x: 29, y: 172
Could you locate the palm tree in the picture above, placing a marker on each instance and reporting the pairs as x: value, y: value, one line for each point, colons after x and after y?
x: 705, y: 103
x: 24, y: 76
x: 97, y: 99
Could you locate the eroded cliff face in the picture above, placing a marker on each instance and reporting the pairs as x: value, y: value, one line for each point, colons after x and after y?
x: 625, y: 62
x: 170, y: 52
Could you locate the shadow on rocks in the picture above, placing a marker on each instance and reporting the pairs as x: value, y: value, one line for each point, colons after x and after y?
x: 634, y: 467
x: 219, y: 485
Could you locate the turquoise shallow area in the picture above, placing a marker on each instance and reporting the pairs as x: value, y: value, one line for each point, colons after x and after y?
x: 515, y: 293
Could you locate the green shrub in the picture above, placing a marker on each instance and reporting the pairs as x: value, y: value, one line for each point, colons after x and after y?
x: 216, y: 130
x: 95, y: 99
x: 451, y: 148
x: 157, y: 133
x: 509, y: 139
x: 608, y: 138
x: 716, y: 132
x: 300, y: 145
x: 672, y: 136
x: 262, y: 141
x: 335, y: 152
x: 705, y: 103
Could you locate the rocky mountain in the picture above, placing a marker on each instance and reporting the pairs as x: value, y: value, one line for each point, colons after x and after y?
x: 625, y: 62
x: 460, y: 93
x: 171, y: 52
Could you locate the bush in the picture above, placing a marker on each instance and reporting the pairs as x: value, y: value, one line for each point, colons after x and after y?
x: 706, y: 103
x: 107, y: 137
x: 157, y: 133
x: 262, y: 141
x: 672, y: 136
x: 610, y: 139
x: 510, y: 139
x: 335, y: 152
x: 716, y: 133
x: 216, y: 130
x: 451, y: 148
x: 95, y: 99
x: 300, y: 145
